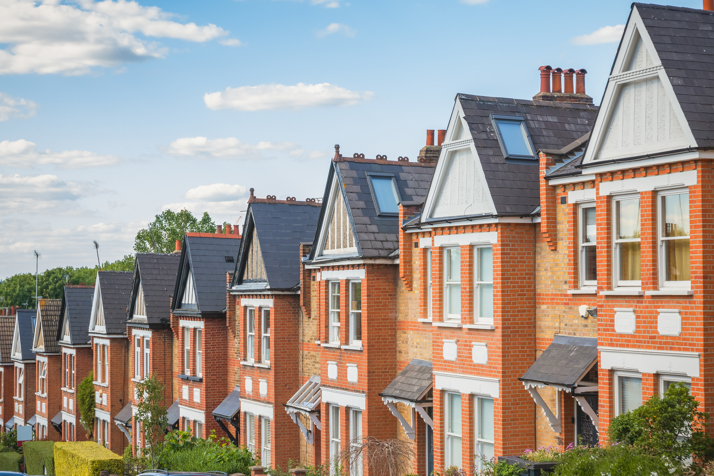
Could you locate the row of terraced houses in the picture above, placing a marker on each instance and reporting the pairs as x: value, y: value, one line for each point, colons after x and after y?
x: 543, y: 266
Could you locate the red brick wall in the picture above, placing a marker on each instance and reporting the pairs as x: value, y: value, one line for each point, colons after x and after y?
x: 53, y: 399
x: 7, y: 407
x: 117, y: 390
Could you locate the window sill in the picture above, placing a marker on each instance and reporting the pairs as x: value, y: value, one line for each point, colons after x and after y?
x: 331, y: 346
x: 247, y: 363
x: 188, y: 377
x: 42, y: 395
x: 136, y: 380
x: 485, y: 327
x: 71, y: 390
x: 17, y: 399
x: 425, y: 321
x: 670, y: 292
x: 100, y: 384
x: 455, y: 325
x: 352, y: 347
x: 623, y: 292
x: 583, y: 291
x: 262, y: 366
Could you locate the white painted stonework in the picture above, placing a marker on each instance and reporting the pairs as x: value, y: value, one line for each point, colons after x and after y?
x: 249, y: 385
x: 104, y: 399
x: 332, y: 370
x: 197, y: 395
x: 344, y: 398
x: 264, y: 410
x: 669, y: 322
x: 184, y: 392
x: 647, y: 184
x: 479, y: 353
x: 650, y: 361
x: 352, y: 373
x: 578, y: 196
x: 467, y: 384
x: 263, y: 387
x: 464, y: 239
x: 450, y: 350
x: 462, y: 190
x: 625, y: 321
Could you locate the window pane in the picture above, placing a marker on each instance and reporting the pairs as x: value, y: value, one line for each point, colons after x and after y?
x: 514, y: 137
x: 589, y: 230
x: 485, y: 300
x: 630, y: 393
x: 629, y: 261
x: 485, y: 268
x: 386, y: 194
x: 590, y: 263
x: 453, y: 298
x: 454, y: 413
x: 485, y: 419
x: 675, y: 215
x: 628, y: 219
x: 453, y: 264
x: 669, y: 383
x: 455, y: 451
x: 335, y: 422
x: 356, y: 297
x: 677, y: 260
x: 335, y: 295
x: 487, y: 451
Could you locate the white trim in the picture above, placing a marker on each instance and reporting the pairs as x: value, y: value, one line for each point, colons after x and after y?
x: 666, y: 159
x: 41, y: 420
x: 98, y: 341
x: 69, y: 351
x: 95, y: 305
x: 140, y: 332
x: 343, y: 274
x: 616, y: 392
x: 344, y: 398
x: 554, y: 421
x: 467, y: 384
x: 687, y: 178
x: 102, y: 415
x: 650, y: 361
x: 585, y: 195
x: 408, y: 428
x: 425, y: 242
x: 191, y: 324
x: 69, y: 417
x: 264, y: 410
x: 41, y: 358
x: 669, y: 322
x: 671, y: 378
x: 192, y: 414
x: 256, y: 302
x: 569, y: 180
x: 465, y: 239
x: 323, y: 262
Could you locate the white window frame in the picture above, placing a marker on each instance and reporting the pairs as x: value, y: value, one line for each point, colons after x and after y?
x: 357, y: 467
x: 265, y: 335
x: 447, y: 435
x: 106, y: 365
x: 477, y: 304
x: 450, y: 316
x: 335, y: 314
x: 187, y: 351
x: 19, y: 382
x: 250, y: 432
x: 661, y: 255
x: 137, y: 357
x: 100, y: 366
x: 617, y: 282
x: 335, y: 442
x: 671, y: 379
x: 250, y: 334
x: 265, y: 442
x: 199, y: 352
x: 584, y: 283
x: 478, y: 439
x: 42, y: 378
x: 617, y: 376
x: 354, y: 315
x: 147, y: 356
x: 198, y: 429
x: 429, y: 282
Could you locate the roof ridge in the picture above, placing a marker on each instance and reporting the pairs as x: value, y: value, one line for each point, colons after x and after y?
x: 382, y: 160
x: 673, y: 8
x: 526, y: 102
x: 195, y: 234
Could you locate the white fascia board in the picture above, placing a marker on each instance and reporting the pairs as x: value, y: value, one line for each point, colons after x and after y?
x: 650, y: 361
x: 261, y: 409
x: 341, y: 274
x: 41, y: 420
x: 140, y: 332
x: 256, y: 303
x: 41, y: 358
x: 192, y: 414
x: 463, y: 239
x: 647, y: 184
x: 663, y: 160
x: 98, y: 341
x: 569, y: 180
x: 102, y: 415
x: 191, y: 324
x: 69, y: 350
x: 467, y: 384
x: 343, y: 398
x: 327, y: 263
x: 69, y: 417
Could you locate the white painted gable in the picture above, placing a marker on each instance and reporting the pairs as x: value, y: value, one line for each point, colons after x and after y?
x: 337, y: 236
x: 96, y: 321
x: 38, y: 340
x: 459, y: 187
x: 139, y: 302
x: 188, y: 300
x: 16, y: 344
x: 66, y: 335
x: 640, y: 113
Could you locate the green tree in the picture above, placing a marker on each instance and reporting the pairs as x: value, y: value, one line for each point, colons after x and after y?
x: 18, y: 290
x: 152, y: 414
x: 85, y: 400
x: 161, y: 234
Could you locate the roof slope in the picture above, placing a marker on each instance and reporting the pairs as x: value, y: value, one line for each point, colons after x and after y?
x: 564, y: 362
x: 684, y: 40
x: 207, y: 261
x: 412, y: 383
x: 26, y: 326
x: 115, y: 287
x: 77, y: 303
x: 280, y: 228
x: 157, y: 273
x: 230, y: 406
x: 515, y: 187
x: 7, y: 329
x: 50, y: 313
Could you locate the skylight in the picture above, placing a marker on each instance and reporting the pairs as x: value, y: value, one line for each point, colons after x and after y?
x: 514, y: 138
x: 385, y: 192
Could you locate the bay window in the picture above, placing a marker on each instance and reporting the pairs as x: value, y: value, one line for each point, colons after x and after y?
x: 186, y: 351
x: 355, y: 313
x: 627, y: 241
x: 356, y: 441
x: 265, y: 335
x: 334, y: 323
x: 674, y: 267
x: 484, y: 437
x: 265, y: 442
x: 199, y: 352
x: 483, y: 285
x: 587, y: 241
x: 452, y: 283
x: 250, y: 335
x: 628, y: 392
x: 453, y: 430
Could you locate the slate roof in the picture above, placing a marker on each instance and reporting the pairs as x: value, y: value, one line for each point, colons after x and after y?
x: 11, y: 423
x: 412, y: 383
x: 568, y: 168
x: 515, y: 187
x: 157, y: 273
x: 50, y: 315
x: 25, y: 322
x: 115, y: 287
x: 206, y: 258
x: 230, y: 406
x: 684, y: 40
x: 280, y: 227
x: 564, y: 362
x: 125, y: 414
x: 78, y: 302
x: 172, y: 414
x: 7, y: 329
x: 376, y: 236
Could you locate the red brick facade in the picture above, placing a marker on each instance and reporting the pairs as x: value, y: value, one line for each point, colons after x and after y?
x: 112, y: 392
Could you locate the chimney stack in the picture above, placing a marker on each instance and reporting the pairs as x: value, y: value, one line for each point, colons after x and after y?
x: 708, y: 5
x: 430, y: 137
x: 430, y: 152
x: 561, y: 89
x: 580, y: 81
x: 178, y: 247
x: 219, y: 229
x: 545, y: 78
x: 557, y: 80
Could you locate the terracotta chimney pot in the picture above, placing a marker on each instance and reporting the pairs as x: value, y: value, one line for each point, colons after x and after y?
x: 545, y: 78
x: 178, y: 245
x: 708, y: 5
x: 430, y: 137
x: 557, y: 80
x: 569, y: 73
x: 219, y: 229
x: 442, y: 136
x: 229, y: 229
x: 580, y: 81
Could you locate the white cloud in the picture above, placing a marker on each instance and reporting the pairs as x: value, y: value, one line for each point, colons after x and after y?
x: 606, y: 34
x: 54, y: 38
x: 22, y: 153
x: 231, y: 42
x: 16, y: 107
x: 279, y: 96
x: 217, y: 192
x: 474, y: 2
x: 337, y: 29
x: 40, y: 194
x: 228, y: 148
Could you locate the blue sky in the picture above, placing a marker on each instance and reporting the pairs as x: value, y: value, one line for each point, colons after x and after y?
x: 113, y: 111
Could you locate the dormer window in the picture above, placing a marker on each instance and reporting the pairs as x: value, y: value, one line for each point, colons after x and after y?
x: 513, y: 137
x: 386, y: 194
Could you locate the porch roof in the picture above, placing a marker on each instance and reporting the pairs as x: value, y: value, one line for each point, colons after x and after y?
x: 229, y: 407
x: 565, y: 362
x: 308, y: 397
x: 124, y: 415
x: 412, y: 383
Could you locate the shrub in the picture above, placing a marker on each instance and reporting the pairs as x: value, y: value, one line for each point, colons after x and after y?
x: 85, y: 402
x: 85, y: 458
x: 542, y: 454
x: 620, y: 460
x: 500, y: 468
x: 39, y: 457
x: 9, y: 440
x: 10, y: 461
x: 134, y: 465
x: 183, y: 452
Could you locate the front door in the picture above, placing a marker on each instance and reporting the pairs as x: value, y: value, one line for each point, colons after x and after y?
x: 586, y: 432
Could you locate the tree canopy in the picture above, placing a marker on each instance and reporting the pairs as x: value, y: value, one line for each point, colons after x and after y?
x: 161, y: 234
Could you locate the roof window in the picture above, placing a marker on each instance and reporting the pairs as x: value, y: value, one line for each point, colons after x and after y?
x: 513, y: 137
x: 385, y: 194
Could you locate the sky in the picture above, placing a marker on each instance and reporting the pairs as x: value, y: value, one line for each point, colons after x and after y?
x: 112, y: 111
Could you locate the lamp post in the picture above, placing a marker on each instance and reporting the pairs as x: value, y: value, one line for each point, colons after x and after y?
x: 96, y: 247
x: 37, y: 268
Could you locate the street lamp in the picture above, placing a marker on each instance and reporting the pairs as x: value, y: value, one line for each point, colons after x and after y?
x: 96, y: 246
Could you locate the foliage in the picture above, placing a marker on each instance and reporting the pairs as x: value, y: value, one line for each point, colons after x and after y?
x: 39, y: 457
x: 152, y: 414
x: 383, y: 457
x: 134, y: 465
x: 706, y: 470
x: 183, y: 452
x: 19, y: 290
x: 620, y: 460
x: 453, y: 471
x: 319, y: 470
x: 498, y: 468
x: 671, y: 427
x: 85, y: 401
x: 542, y: 454
x: 85, y: 458
x: 10, y: 461
x: 161, y: 234
x: 9, y: 440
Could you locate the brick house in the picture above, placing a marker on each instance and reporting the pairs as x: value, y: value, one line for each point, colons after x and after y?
x: 265, y: 301
x: 349, y: 284
x: 48, y: 373
x: 23, y: 358
x: 198, y: 321
x: 110, y: 355
x: 76, y: 350
x: 149, y: 329
x: 629, y: 222
x: 7, y: 368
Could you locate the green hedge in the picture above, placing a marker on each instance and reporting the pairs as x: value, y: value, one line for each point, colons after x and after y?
x: 85, y: 458
x: 10, y: 461
x: 39, y: 457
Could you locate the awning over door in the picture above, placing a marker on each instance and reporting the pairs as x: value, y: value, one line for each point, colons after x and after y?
x: 229, y: 407
x: 172, y: 415
x: 10, y: 424
x: 56, y: 422
x: 123, y: 421
x: 411, y: 387
x: 306, y: 401
x: 565, y: 365
x: 32, y: 420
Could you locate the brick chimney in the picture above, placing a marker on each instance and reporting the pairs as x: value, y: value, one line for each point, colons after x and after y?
x: 177, y: 251
x: 556, y: 85
x: 708, y: 5
x: 430, y: 152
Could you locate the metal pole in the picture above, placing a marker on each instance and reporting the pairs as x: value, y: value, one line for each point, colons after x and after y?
x: 37, y: 268
x: 99, y: 264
